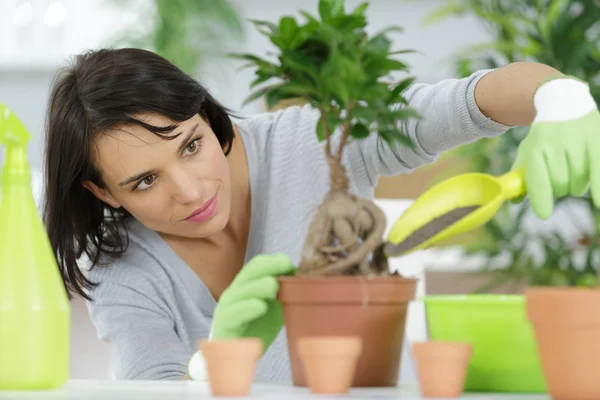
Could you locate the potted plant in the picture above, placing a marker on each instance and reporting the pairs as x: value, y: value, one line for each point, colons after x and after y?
x: 343, y: 286
x: 513, y: 251
x: 559, y: 271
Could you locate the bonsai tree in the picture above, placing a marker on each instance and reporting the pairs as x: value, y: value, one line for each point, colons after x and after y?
x: 335, y: 66
x: 562, y: 34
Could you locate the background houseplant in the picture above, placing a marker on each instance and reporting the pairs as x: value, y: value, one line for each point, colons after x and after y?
x: 185, y: 32
x: 343, y: 284
x: 566, y: 321
x: 563, y: 34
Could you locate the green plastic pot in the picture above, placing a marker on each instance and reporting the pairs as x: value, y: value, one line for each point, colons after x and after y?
x: 505, y: 355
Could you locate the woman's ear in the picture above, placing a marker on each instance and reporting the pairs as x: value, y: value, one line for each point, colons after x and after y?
x: 101, y: 194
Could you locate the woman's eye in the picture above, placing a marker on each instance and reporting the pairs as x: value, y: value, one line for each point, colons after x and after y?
x: 193, y: 146
x: 146, y: 182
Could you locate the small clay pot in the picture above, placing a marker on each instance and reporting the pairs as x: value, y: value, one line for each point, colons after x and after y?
x: 441, y: 367
x: 231, y: 364
x: 329, y: 362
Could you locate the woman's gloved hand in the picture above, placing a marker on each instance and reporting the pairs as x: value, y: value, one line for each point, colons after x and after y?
x: 561, y: 153
x: 249, y: 306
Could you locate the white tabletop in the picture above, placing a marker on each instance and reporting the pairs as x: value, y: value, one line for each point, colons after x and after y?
x: 188, y: 390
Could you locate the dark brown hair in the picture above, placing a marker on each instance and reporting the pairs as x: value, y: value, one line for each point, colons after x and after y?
x: 100, y: 90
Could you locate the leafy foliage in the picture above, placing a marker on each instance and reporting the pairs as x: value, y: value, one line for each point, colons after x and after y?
x: 182, y: 31
x: 565, y: 35
x: 332, y: 63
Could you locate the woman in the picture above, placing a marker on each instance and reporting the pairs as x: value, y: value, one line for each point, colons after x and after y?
x: 155, y: 200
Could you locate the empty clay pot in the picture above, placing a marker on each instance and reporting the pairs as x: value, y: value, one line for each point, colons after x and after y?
x: 442, y: 367
x: 566, y: 322
x: 230, y: 364
x: 373, y: 309
x: 329, y: 362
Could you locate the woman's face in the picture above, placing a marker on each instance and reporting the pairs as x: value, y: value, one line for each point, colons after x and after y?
x: 178, y: 187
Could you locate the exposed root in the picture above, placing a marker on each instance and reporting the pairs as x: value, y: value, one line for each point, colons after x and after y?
x: 345, y: 238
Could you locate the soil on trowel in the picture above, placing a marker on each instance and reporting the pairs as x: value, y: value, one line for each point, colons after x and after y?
x: 429, y: 230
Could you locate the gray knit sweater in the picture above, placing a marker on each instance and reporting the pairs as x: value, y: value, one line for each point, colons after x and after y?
x: 151, y: 308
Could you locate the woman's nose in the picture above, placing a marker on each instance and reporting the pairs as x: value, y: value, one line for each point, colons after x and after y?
x: 187, y: 188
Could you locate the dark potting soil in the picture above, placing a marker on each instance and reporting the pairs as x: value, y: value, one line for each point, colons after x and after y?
x: 430, y: 229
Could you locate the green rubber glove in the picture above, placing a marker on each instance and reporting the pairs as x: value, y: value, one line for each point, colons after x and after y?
x: 561, y: 152
x: 249, y: 306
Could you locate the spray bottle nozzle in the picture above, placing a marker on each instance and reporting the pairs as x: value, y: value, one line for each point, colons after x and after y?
x: 12, y: 130
x: 15, y: 136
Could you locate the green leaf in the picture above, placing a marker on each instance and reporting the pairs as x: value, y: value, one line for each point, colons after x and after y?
x: 310, y: 18
x: 288, y: 28
x: 405, y: 113
x: 337, y: 7
x: 554, y: 11
x: 265, y: 69
x: 321, y: 135
x: 261, y: 78
x: 274, y: 96
x: 270, y: 30
x: 464, y: 68
x: 261, y: 63
x: 392, y: 28
x: 303, y: 34
x: 260, y: 93
x: 295, y: 60
x: 341, y: 77
x: 495, y: 229
x: 361, y: 9
x: 265, y: 27
x: 378, y: 67
x: 378, y: 45
x: 399, y: 89
x: 450, y: 8
x: 578, y: 54
x: 364, y: 113
x: 376, y: 93
x: 329, y: 9
x: 300, y: 90
x: 396, y: 136
x: 407, y: 51
x: 333, y: 122
x: 359, y: 131
x: 350, y: 23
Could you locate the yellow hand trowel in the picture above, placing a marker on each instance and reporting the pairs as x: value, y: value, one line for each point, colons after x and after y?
x: 452, y: 207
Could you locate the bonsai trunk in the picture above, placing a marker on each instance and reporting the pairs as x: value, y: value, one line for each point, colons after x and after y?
x: 345, y: 236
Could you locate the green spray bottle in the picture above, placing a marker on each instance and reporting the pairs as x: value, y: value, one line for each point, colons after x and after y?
x: 35, y: 314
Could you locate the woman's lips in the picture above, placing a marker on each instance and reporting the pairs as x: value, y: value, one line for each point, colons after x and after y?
x: 204, y: 212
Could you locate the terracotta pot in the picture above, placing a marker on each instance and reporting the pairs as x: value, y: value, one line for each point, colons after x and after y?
x: 329, y: 362
x: 442, y: 367
x: 373, y: 309
x: 230, y: 364
x: 566, y: 322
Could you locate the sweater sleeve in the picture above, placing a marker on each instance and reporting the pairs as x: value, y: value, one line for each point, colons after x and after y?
x: 140, y: 333
x: 450, y: 118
